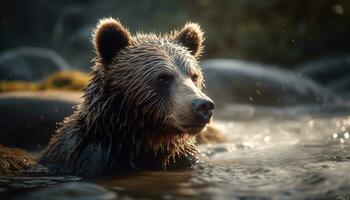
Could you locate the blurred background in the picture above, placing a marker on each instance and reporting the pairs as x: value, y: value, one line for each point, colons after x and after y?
x: 278, y: 71
x: 41, y: 37
x: 279, y: 32
x: 265, y: 53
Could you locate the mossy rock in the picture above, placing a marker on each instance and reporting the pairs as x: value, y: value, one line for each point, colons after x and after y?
x: 63, y: 80
x: 66, y: 80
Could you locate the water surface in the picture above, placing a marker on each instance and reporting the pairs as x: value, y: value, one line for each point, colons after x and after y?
x: 301, y: 156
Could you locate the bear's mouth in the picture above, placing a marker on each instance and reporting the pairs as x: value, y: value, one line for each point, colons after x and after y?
x: 193, y: 128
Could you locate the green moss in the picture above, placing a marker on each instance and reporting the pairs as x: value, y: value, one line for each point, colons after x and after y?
x: 6, y: 86
x: 64, y: 80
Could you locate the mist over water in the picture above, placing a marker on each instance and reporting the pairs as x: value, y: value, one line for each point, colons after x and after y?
x: 293, y: 159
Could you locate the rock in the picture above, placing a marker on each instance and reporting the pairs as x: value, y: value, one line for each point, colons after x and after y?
x: 14, y: 160
x: 72, y: 191
x: 241, y: 82
x: 30, y: 64
x: 333, y: 72
x: 28, y: 119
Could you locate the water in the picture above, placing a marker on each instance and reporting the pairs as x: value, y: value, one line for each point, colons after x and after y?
x: 271, y: 157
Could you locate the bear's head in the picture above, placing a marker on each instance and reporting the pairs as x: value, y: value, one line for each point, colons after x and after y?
x: 152, y: 83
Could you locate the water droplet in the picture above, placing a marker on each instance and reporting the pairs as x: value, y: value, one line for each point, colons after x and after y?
x: 338, y: 9
x: 267, y: 139
x: 346, y: 135
x: 335, y: 135
x: 311, y: 123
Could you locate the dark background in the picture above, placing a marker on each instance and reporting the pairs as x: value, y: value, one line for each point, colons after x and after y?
x: 286, y: 33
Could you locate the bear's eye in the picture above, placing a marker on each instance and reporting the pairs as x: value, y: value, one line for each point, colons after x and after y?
x: 194, y: 78
x: 165, y: 79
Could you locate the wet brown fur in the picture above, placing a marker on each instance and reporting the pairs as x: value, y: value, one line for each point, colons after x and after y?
x: 123, y: 124
x: 14, y: 160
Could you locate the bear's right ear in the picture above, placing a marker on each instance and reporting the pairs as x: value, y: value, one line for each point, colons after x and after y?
x: 190, y: 36
x: 109, y: 38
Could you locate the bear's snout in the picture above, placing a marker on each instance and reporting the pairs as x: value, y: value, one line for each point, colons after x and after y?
x: 203, y: 109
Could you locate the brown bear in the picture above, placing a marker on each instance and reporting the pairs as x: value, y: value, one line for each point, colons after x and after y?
x: 142, y: 108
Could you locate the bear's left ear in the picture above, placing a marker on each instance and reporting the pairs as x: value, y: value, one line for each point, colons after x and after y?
x: 191, y: 36
x: 109, y: 38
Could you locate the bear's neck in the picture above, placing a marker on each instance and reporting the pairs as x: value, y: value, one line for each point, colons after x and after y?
x: 129, y: 141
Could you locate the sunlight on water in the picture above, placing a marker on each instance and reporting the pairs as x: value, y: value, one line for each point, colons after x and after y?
x: 265, y: 158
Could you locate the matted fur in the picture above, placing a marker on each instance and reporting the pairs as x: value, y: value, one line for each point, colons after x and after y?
x: 123, y: 123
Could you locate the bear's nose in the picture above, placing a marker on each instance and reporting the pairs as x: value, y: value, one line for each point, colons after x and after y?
x: 203, y: 109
